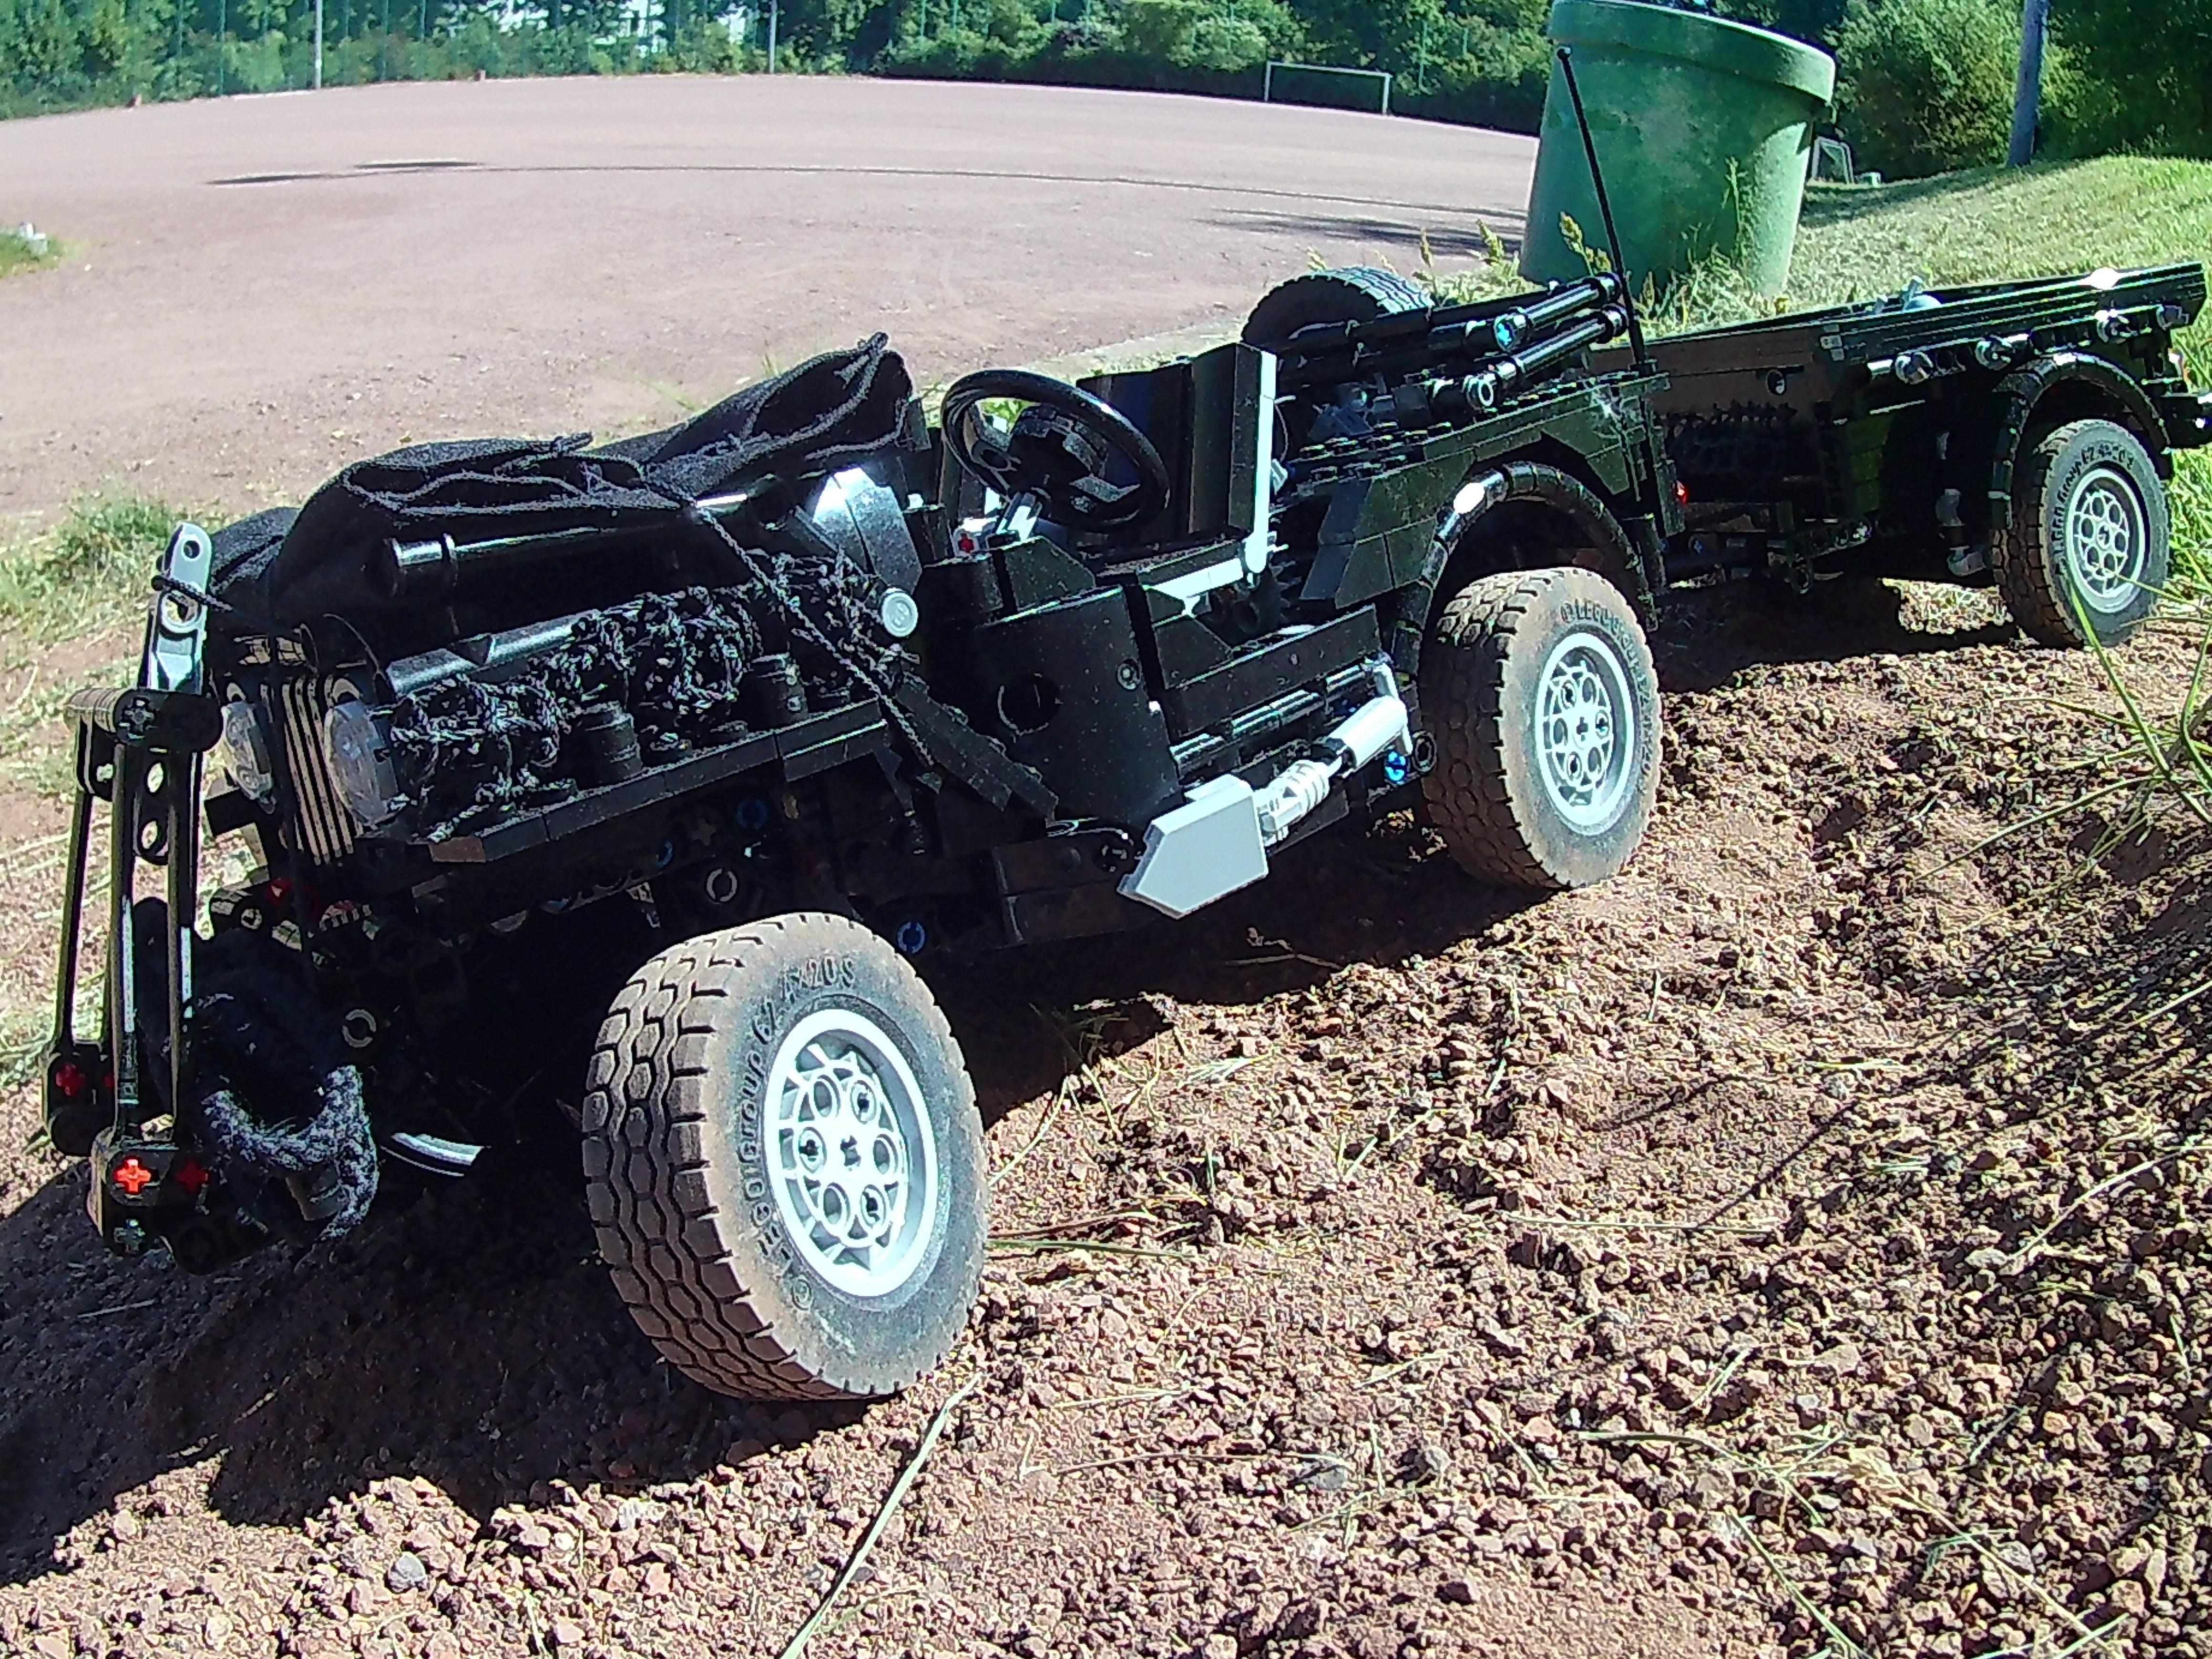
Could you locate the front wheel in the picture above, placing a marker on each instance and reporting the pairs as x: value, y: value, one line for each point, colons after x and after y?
x: 1540, y: 692
x: 2086, y: 557
x: 784, y: 1162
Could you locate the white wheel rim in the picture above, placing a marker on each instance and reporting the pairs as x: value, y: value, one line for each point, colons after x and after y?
x: 1586, y: 735
x: 852, y: 1152
x: 2104, y: 537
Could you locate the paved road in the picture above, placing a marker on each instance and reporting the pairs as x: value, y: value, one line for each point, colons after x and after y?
x: 265, y: 287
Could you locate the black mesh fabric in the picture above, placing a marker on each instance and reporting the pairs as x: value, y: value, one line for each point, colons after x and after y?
x: 841, y: 406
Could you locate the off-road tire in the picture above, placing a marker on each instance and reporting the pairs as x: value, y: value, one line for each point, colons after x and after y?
x: 1349, y: 294
x: 1502, y: 640
x: 2040, y: 560
x: 681, y: 1141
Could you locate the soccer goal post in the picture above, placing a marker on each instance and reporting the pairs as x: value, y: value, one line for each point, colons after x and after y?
x: 1326, y: 85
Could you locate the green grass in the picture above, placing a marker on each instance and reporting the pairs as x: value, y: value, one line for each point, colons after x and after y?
x: 1994, y: 222
x: 86, y: 572
x: 84, y: 578
x: 22, y: 253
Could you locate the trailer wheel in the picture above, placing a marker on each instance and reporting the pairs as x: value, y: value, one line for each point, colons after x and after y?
x: 1349, y: 294
x: 2089, y: 529
x: 1541, y: 695
x: 784, y: 1162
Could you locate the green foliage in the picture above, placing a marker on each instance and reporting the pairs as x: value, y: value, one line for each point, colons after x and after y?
x: 1927, y: 85
x: 2143, y: 76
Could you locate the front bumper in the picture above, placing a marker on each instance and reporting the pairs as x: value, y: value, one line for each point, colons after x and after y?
x: 109, y: 1096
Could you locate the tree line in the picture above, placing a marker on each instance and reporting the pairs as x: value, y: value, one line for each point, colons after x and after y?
x: 1925, y: 83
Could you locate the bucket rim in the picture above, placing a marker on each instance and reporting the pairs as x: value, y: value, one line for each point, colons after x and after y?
x: 1709, y: 42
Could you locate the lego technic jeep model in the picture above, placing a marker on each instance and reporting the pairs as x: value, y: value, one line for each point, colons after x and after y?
x: 719, y: 727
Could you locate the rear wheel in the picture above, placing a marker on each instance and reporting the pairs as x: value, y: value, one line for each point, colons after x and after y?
x: 2088, y: 552
x: 784, y: 1162
x: 1540, y: 692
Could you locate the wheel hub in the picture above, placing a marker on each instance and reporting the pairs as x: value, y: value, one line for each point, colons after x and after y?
x: 852, y: 1151
x: 1585, y: 730
x: 2105, y: 539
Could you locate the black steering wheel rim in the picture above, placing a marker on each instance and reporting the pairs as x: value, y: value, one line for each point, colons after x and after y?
x: 1094, y: 415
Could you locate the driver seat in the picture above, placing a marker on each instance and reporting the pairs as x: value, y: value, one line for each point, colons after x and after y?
x: 1213, y: 419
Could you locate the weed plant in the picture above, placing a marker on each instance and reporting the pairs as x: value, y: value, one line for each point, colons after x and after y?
x: 24, y: 249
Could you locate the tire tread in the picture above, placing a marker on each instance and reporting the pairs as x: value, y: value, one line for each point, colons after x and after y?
x: 1465, y: 697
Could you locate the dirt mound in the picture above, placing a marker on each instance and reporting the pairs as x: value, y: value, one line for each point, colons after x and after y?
x: 1793, y: 1245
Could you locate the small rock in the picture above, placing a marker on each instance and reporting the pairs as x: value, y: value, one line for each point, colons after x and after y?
x: 1458, y: 1591
x: 533, y: 1537
x: 656, y: 1579
x: 124, y: 1526
x: 750, y: 1543
x: 1840, y: 1361
x: 1219, y: 1645
x: 406, y: 1573
x: 442, y: 1644
x: 567, y: 1633
x: 2153, y: 1572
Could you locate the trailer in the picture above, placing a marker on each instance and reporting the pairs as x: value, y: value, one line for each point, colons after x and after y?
x: 2017, y: 434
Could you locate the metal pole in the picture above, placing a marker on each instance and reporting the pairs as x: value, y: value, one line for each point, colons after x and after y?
x: 222, y: 43
x: 2028, y: 89
x: 318, y: 46
x: 1604, y: 207
x: 774, y: 6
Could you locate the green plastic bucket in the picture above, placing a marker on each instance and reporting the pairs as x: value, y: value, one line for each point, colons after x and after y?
x: 1703, y: 127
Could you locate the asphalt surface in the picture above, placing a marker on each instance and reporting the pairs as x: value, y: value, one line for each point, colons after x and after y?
x: 263, y: 288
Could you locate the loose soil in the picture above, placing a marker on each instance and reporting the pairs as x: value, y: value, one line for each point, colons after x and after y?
x: 1793, y: 1246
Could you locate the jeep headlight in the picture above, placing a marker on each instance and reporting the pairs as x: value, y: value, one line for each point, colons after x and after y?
x: 243, y: 750
x: 361, y: 762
